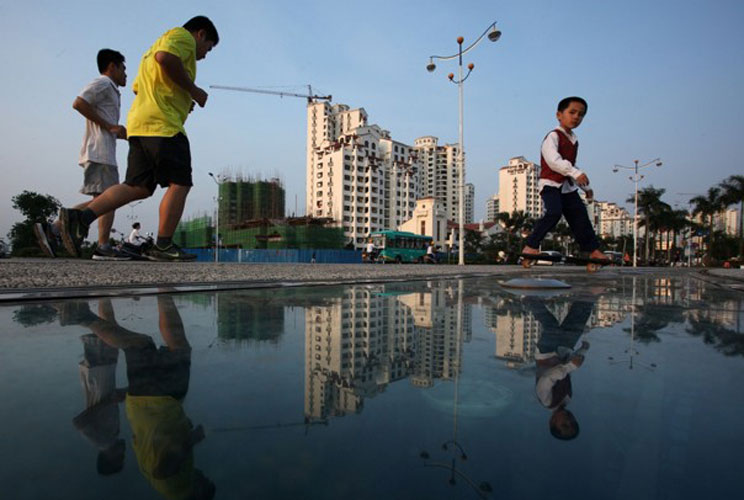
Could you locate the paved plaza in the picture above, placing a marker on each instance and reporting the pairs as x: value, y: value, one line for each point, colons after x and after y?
x: 44, y: 278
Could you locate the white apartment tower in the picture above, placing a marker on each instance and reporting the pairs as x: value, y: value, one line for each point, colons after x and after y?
x: 518, y: 187
x: 612, y: 220
x: 439, y: 177
x: 356, y: 174
x: 492, y: 208
x: 469, y: 203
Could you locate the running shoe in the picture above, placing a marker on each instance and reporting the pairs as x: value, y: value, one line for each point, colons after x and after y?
x: 73, y: 231
x: 109, y: 253
x: 46, y: 239
x: 171, y: 253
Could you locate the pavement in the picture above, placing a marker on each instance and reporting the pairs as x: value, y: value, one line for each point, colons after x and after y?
x: 31, y: 279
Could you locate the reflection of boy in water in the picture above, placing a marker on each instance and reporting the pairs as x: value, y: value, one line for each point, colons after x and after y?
x: 163, y: 436
x: 556, y: 359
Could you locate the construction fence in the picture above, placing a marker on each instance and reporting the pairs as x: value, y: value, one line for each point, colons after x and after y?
x: 286, y: 255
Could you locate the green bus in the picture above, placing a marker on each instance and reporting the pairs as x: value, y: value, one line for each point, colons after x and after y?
x: 400, y: 246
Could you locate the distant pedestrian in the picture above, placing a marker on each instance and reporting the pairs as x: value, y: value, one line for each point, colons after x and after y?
x: 559, y: 182
x: 134, y: 238
x: 159, y: 152
x: 99, y: 102
x: 431, y: 254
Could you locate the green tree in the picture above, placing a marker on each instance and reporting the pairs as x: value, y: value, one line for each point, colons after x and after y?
x: 473, y: 243
x: 708, y: 206
x: 650, y: 207
x: 733, y: 193
x: 35, y: 208
x: 514, y: 225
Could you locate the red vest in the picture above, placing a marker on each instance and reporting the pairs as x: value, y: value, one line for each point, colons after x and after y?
x: 567, y: 150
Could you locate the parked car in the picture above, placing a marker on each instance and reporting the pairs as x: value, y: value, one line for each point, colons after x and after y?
x: 3, y: 249
x: 616, y: 256
x: 549, y: 262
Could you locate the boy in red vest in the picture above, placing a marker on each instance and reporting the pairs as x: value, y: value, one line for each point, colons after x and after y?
x: 560, y: 181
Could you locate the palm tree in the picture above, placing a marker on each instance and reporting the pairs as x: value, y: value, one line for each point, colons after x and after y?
x: 513, y: 224
x: 671, y: 222
x: 733, y: 192
x: 708, y: 206
x: 649, y: 205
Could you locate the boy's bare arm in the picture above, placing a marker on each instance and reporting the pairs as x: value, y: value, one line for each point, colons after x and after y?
x: 173, y: 67
x: 84, y: 108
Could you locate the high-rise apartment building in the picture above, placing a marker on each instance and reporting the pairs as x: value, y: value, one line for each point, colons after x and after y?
x: 356, y: 173
x: 469, y: 203
x: 439, y: 174
x: 492, y: 208
x: 518, y: 187
x: 611, y: 220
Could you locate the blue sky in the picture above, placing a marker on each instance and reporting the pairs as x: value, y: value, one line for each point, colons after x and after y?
x: 662, y: 78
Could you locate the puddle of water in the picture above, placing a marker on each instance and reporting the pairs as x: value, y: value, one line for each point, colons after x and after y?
x: 630, y: 385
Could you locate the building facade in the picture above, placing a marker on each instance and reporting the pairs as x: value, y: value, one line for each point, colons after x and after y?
x: 518, y: 188
x: 439, y: 173
x: 611, y: 220
x: 492, y: 208
x: 356, y: 173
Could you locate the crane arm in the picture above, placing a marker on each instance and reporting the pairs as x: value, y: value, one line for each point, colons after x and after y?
x: 310, y: 97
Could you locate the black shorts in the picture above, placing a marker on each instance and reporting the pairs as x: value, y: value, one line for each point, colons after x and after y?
x: 155, y: 371
x: 159, y: 160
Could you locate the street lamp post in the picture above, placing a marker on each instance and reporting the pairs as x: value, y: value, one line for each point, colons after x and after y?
x: 636, y: 177
x: 216, y: 179
x: 493, y: 35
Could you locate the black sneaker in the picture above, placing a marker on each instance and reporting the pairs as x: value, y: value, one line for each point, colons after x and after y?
x: 46, y: 239
x: 109, y: 253
x: 73, y: 231
x: 171, y: 253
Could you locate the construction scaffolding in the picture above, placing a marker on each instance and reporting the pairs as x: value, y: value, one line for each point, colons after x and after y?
x: 296, y: 232
x: 197, y: 232
x: 243, y: 199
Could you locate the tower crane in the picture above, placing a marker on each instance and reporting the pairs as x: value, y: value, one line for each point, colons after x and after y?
x: 309, y: 96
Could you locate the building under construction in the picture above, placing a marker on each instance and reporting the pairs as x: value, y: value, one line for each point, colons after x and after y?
x: 245, y: 199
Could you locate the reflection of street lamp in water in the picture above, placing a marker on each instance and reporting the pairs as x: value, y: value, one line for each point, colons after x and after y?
x: 453, y: 445
x: 632, y: 351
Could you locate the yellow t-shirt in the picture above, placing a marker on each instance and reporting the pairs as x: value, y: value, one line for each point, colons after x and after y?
x: 160, y: 106
x: 160, y: 426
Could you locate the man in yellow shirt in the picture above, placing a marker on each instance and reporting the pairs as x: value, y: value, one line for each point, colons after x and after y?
x: 159, y: 152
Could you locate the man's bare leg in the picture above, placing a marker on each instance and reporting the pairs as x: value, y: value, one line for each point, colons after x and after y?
x: 117, y: 196
x: 105, y: 222
x: 171, y: 209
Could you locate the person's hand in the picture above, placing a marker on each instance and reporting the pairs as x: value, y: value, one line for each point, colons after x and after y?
x: 119, y: 131
x: 577, y: 360
x: 200, y: 96
x: 589, y: 195
x: 584, y: 345
x: 192, y: 107
x: 582, y: 180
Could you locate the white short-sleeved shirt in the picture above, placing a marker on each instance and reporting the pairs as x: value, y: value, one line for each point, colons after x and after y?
x: 99, y: 145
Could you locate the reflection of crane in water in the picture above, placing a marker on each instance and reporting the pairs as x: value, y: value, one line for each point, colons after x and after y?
x: 307, y: 423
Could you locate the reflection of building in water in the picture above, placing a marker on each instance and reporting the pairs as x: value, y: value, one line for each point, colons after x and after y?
x: 436, y: 351
x: 248, y: 317
x: 609, y: 310
x: 517, y: 333
x: 369, y: 338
